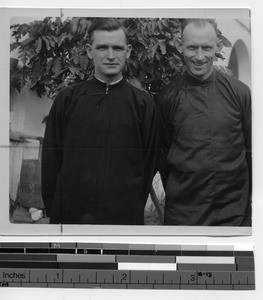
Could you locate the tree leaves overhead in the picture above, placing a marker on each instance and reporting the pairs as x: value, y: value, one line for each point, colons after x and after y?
x: 53, y: 53
x: 153, y: 48
x: 45, y: 49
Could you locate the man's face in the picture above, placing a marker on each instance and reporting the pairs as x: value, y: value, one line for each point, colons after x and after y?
x: 109, y: 52
x: 199, y: 46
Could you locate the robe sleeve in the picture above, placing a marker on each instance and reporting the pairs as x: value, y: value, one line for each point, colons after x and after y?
x: 52, y: 153
x: 246, y: 124
x: 151, y: 144
x: 165, y: 133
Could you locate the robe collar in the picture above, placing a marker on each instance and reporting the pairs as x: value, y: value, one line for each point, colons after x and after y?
x: 112, y: 83
x: 194, y: 81
x: 107, y: 86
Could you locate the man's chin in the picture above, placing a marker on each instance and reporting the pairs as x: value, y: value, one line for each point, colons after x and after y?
x: 198, y: 74
x: 111, y: 73
x: 111, y: 77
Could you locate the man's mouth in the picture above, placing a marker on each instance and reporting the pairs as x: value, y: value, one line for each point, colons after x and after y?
x: 110, y: 64
x: 198, y: 64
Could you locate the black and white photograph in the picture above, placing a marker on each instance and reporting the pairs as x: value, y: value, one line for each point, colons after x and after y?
x: 131, y: 149
x: 131, y: 120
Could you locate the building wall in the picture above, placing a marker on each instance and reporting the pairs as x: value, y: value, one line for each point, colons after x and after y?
x: 27, y: 112
x: 238, y: 57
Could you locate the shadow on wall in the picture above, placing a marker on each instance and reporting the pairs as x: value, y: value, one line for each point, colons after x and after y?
x: 239, y: 62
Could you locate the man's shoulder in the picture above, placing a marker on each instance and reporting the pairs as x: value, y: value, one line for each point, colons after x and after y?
x: 76, y: 87
x: 72, y: 92
x: 68, y: 96
x: 138, y: 90
x: 173, y: 88
x: 232, y: 82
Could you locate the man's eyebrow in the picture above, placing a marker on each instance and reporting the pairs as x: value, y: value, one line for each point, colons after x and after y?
x: 192, y: 45
x: 118, y: 46
x: 101, y: 45
x: 114, y: 45
x: 198, y: 44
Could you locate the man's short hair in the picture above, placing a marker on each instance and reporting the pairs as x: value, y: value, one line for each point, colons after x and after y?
x: 106, y: 24
x: 200, y: 23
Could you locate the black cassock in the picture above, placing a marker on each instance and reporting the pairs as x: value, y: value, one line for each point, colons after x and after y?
x: 207, y: 151
x: 99, y: 154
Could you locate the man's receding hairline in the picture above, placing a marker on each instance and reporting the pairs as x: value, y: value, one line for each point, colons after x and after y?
x: 200, y: 23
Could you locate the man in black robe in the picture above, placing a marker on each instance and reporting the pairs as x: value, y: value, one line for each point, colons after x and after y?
x: 206, y: 124
x: 99, y: 151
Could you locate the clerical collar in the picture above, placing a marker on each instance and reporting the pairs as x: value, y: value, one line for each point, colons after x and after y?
x: 111, y: 83
x: 194, y: 80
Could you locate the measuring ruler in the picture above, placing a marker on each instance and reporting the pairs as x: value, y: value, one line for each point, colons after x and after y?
x: 126, y: 266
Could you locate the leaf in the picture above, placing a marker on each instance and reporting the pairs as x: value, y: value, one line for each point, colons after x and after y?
x: 61, y: 39
x: 14, y: 46
x: 47, y: 42
x: 51, y: 41
x: 165, y: 22
x: 83, y: 25
x: 140, y: 56
x: 162, y: 46
x: 226, y: 42
x: 55, y: 38
x: 38, y: 44
x: 23, y: 57
x: 49, y: 65
x: 36, y: 74
x: 58, y: 21
x: 84, y: 62
x: 74, y: 25
x: 152, y: 50
x: 154, y: 25
x: 73, y: 69
x: 56, y: 66
x: 75, y: 58
x: 219, y: 55
x: 27, y: 41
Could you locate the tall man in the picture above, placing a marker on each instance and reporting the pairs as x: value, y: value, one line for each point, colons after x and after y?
x: 206, y: 123
x: 99, y: 154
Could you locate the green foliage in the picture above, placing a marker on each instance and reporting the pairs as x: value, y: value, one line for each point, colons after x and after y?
x: 53, y: 53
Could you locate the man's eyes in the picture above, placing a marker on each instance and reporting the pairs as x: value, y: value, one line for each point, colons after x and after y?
x: 118, y: 48
x: 191, y: 48
x: 206, y: 48
x: 101, y: 48
x: 115, y: 48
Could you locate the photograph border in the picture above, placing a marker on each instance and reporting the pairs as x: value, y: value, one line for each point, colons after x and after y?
x: 49, y: 229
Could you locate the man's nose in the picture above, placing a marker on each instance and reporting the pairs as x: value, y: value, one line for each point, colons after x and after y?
x: 199, y: 54
x: 110, y: 54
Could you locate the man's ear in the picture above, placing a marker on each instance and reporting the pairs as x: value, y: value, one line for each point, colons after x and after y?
x: 179, y: 45
x: 129, y: 49
x: 88, y: 47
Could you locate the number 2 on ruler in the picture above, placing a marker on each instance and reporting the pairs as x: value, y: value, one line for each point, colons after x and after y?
x: 124, y: 276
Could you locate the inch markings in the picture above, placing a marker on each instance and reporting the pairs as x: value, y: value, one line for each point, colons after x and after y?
x: 123, y: 266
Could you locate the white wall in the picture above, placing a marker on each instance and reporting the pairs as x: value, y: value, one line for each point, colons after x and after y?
x: 238, y: 33
x: 27, y: 111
